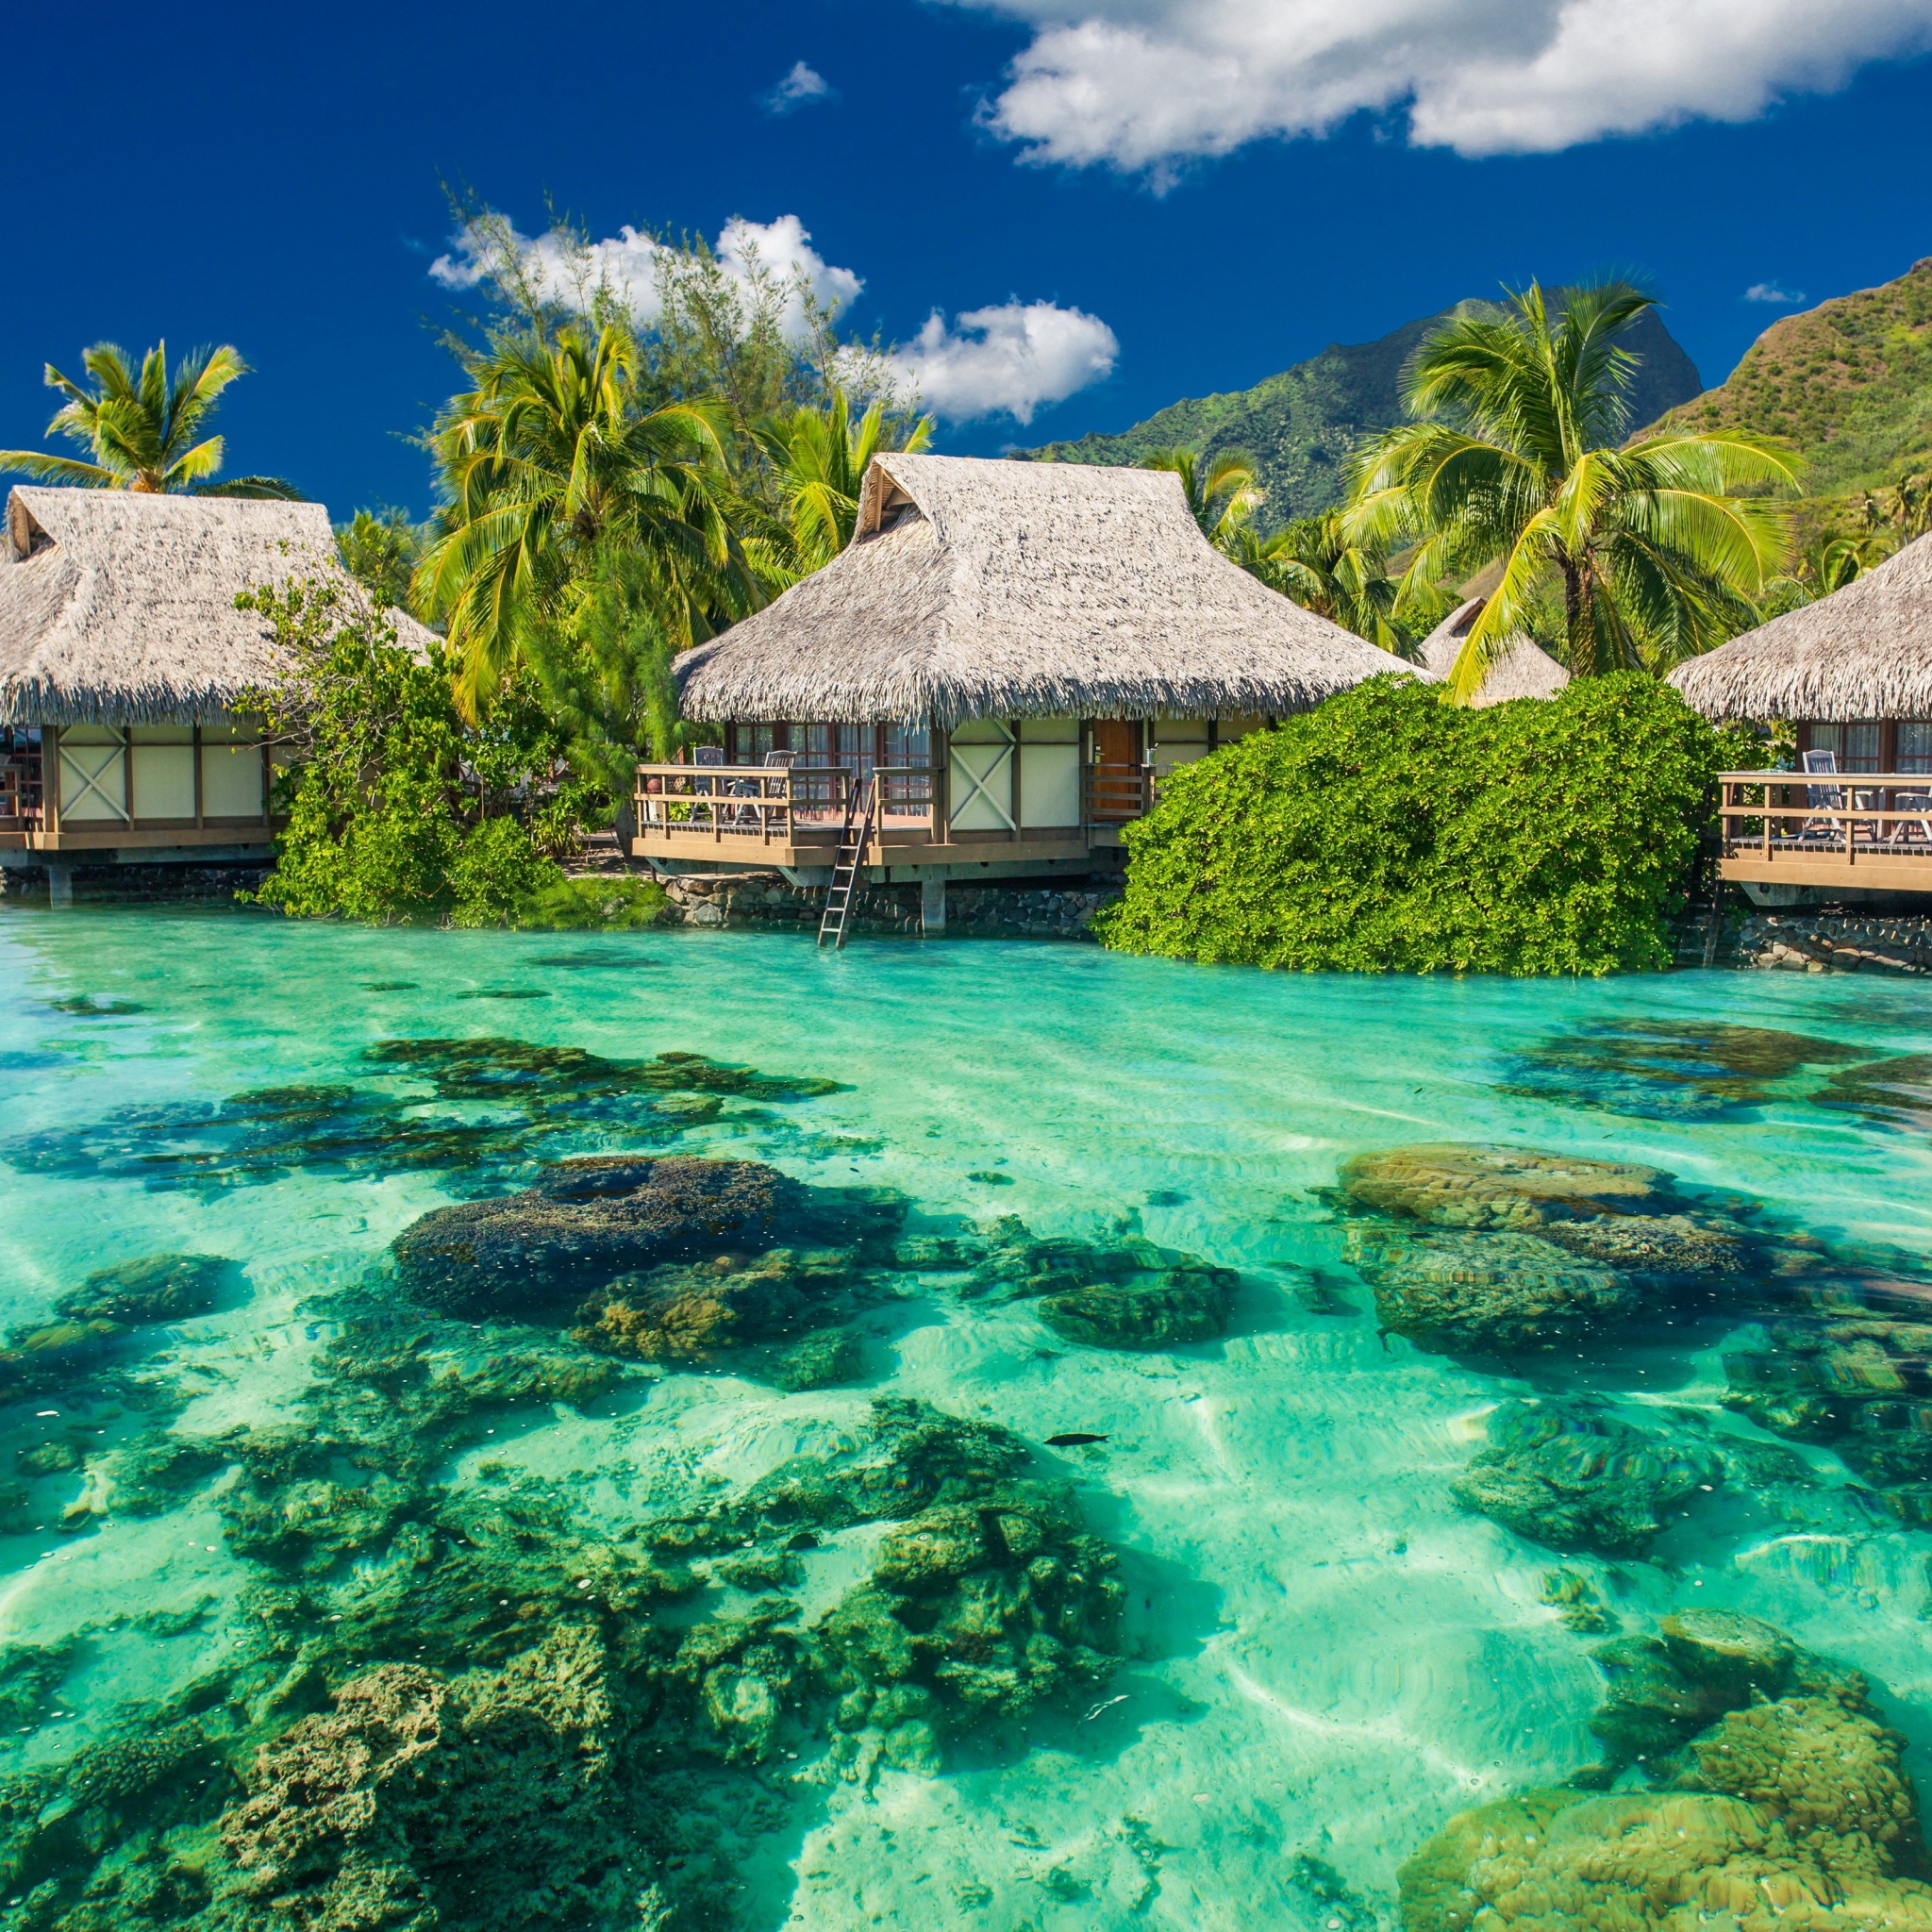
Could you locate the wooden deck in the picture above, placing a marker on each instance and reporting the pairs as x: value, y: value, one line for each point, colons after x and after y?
x: 1867, y: 830
x: 738, y: 817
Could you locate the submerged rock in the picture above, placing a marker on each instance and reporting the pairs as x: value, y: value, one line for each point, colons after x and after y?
x: 1662, y: 1690
x: 1661, y: 1248
x: 693, y: 1313
x: 1575, y: 1599
x: 1463, y: 1186
x: 1896, y: 1091
x: 1015, y: 1264
x: 988, y: 1606
x: 586, y: 1223
x: 1785, y: 1805
x: 820, y: 1360
x: 1491, y: 1294
x: 571, y: 1078
x: 157, y: 1288
x: 1854, y: 1381
x: 1696, y: 1070
x: 536, y: 1094
x: 1178, y: 1306
x: 491, y: 1799
x: 1566, y: 1476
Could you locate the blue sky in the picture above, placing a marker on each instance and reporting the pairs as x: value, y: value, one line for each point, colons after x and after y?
x: 1189, y: 194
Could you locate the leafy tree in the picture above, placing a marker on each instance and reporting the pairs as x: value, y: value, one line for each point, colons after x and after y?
x: 1222, y: 493
x: 398, y: 810
x: 603, y: 665
x: 551, y: 461
x: 1385, y: 831
x: 1656, y: 554
x: 819, y: 456
x: 1315, y: 562
x: 380, y: 549
x: 144, y: 431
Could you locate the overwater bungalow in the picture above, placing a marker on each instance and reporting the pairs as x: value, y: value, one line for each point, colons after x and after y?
x: 1525, y: 669
x: 990, y: 681
x: 1853, y: 674
x: 123, y: 659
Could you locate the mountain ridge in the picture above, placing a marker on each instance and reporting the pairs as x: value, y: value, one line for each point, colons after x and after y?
x: 1303, y: 424
x: 1847, y: 383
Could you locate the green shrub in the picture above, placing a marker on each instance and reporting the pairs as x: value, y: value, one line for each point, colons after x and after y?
x: 400, y: 810
x: 1388, y: 831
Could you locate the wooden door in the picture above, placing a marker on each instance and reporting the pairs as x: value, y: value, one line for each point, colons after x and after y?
x: 1116, y: 788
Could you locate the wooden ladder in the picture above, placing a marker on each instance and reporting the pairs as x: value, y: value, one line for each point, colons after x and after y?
x: 854, y: 837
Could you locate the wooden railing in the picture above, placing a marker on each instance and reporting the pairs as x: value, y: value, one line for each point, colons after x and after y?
x: 773, y: 803
x: 1851, y: 816
x: 1111, y: 794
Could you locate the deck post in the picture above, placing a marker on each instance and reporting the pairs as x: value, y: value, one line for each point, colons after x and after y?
x: 932, y: 902
x: 60, y: 884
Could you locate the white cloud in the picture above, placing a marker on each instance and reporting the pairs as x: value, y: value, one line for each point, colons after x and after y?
x: 1007, y: 360
x: 628, y: 265
x: 799, y: 88
x: 1146, y: 84
x: 1770, y: 291
x: 1010, y: 360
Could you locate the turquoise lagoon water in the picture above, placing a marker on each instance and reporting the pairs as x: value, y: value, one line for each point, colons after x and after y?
x: 1329, y: 1656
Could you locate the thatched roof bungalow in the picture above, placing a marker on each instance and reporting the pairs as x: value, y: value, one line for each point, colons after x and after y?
x: 1043, y: 640
x: 1852, y: 672
x: 1525, y: 669
x: 122, y: 658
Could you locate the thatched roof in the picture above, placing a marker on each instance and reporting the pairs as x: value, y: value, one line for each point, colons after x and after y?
x: 119, y: 606
x: 982, y: 588
x: 1863, y: 652
x: 1525, y: 671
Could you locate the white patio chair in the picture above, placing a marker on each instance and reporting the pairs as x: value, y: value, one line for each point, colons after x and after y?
x: 1822, y: 798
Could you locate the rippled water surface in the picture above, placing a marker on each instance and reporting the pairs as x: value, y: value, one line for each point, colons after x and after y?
x: 1316, y: 1656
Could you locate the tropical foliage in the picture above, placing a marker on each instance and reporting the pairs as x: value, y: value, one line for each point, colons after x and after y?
x: 143, y: 431
x: 552, y: 461
x: 1298, y: 427
x: 1651, y: 551
x: 398, y: 810
x: 1222, y: 493
x: 819, y: 456
x: 1318, y: 563
x: 1389, y: 832
x: 380, y: 549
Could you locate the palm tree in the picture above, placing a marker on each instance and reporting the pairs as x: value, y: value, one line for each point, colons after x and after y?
x: 1654, y: 552
x: 549, y: 462
x: 380, y: 549
x: 143, y: 432
x: 1222, y: 494
x: 819, y: 459
x: 1828, y: 565
x: 1316, y: 563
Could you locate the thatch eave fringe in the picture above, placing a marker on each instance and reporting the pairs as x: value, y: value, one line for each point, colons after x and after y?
x: 1864, y: 652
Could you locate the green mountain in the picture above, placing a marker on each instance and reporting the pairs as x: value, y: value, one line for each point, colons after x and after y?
x: 1849, y: 383
x: 1302, y: 426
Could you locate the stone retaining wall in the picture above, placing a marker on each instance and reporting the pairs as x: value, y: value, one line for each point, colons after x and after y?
x: 1799, y: 941
x: 1056, y: 911
x: 139, y: 884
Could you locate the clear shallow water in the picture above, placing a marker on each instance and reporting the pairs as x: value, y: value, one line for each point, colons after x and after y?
x: 1331, y: 1657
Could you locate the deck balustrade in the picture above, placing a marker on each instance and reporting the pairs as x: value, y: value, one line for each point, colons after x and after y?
x: 794, y: 813
x: 1869, y: 830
